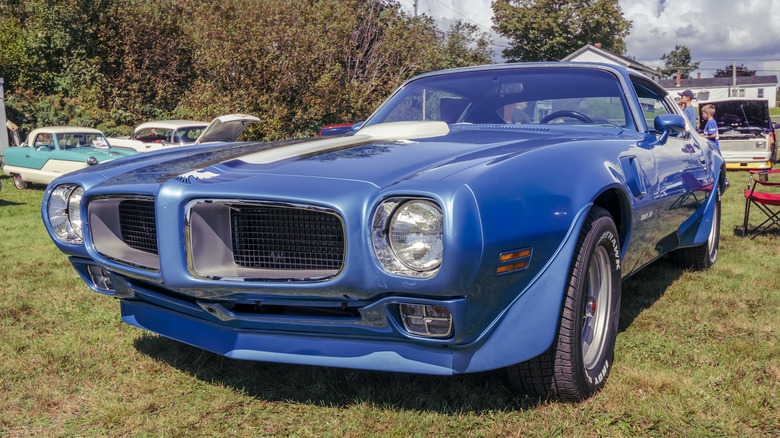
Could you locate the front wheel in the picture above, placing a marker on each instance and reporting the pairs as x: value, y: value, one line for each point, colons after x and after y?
x: 19, y: 183
x: 577, y: 364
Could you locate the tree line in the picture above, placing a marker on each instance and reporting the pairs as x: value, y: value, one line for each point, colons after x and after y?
x: 296, y: 64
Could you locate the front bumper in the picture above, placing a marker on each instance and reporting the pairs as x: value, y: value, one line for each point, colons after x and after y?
x: 523, y: 330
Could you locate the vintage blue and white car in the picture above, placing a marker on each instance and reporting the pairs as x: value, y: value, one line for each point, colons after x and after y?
x: 481, y: 218
x: 53, y: 151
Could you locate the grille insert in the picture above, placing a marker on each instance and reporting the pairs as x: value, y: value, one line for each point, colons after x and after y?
x: 138, y: 225
x: 285, y: 238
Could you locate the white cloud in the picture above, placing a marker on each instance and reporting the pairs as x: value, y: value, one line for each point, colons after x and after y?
x: 716, y: 31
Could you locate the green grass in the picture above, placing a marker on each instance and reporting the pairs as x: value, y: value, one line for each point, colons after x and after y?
x: 698, y: 355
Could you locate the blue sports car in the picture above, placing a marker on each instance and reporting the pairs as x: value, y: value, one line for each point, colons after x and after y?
x: 481, y: 218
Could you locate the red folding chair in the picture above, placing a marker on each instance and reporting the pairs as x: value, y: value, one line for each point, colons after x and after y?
x: 768, y: 203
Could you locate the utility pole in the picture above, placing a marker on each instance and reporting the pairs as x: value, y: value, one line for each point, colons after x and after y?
x: 734, y: 78
x: 415, y: 7
x: 4, y: 129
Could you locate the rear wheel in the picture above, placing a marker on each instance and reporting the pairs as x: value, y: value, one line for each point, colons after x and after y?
x: 577, y: 364
x: 19, y: 183
x: 703, y: 256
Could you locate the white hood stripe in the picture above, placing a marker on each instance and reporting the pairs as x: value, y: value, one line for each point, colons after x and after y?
x: 382, y: 131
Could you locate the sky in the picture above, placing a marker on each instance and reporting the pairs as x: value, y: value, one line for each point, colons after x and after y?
x: 717, y: 32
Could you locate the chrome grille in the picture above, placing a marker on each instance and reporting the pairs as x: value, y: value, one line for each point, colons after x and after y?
x: 277, y: 237
x: 138, y: 225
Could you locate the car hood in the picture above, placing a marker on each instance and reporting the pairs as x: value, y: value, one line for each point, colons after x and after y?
x: 741, y: 114
x: 361, y: 157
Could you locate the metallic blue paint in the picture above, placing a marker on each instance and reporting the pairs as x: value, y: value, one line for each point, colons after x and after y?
x: 501, y: 187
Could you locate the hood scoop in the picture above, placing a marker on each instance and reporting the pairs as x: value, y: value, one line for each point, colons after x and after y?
x: 405, y: 130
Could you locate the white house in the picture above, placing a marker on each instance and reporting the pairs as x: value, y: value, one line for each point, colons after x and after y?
x: 708, y: 89
x: 594, y: 53
x: 704, y: 89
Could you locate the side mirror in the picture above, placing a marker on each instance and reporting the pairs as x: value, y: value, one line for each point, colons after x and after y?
x: 666, y: 123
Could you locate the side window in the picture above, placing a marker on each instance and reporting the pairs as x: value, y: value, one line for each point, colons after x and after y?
x: 43, y: 139
x: 652, y: 102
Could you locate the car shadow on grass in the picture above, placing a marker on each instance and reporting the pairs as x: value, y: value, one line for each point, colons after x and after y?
x: 4, y: 203
x: 643, y: 289
x: 335, y: 387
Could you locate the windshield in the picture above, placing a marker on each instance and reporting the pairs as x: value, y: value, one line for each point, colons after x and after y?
x: 72, y: 140
x: 551, y: 95
x: 187, y: 135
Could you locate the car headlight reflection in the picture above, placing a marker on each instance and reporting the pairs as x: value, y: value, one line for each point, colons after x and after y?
x: 407, y: 236
x: 64, y: 212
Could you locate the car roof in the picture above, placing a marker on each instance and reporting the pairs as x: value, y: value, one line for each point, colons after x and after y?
x: 64, y: 130
x: 527, y: 65
x: 171, y: 124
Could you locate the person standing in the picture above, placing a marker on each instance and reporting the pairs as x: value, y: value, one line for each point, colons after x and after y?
x: 686, y: 101
x: 711, y: 128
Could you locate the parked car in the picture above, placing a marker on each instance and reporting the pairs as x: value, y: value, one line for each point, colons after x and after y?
x: 746, y: 133
x: 54, y: 151
x: 337, y: 129
x: 152, y: 136
x: 439, y: 238
x: 226, y: 128
x: 155, y: 135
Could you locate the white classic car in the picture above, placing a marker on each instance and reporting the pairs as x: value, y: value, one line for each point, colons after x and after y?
x: 156, y: 135
x: 152, y: 136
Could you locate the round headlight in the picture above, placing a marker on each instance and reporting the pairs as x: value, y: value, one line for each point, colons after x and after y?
x: 415, y: 235
x: 65, y: 213
x: 74, y: 210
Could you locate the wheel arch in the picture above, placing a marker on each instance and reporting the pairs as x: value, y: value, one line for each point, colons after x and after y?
x: 617, y: 205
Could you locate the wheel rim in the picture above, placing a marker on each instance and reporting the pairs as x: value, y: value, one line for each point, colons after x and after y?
x: 596, y: 307
x: 18, y: 182
x: 712, y: 241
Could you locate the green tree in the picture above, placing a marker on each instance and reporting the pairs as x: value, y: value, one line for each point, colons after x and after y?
x: 549, y: 30
x: 296, y: 64
x: 728, y: 71
x: 465, y: 44
x: 678, y: 60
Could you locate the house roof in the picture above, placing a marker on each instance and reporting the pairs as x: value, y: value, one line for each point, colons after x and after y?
x: 614, y: 57
x: 719, y: 82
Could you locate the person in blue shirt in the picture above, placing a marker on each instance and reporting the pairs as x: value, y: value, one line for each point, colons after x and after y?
x: 686, y: 100
x: 711, y: 128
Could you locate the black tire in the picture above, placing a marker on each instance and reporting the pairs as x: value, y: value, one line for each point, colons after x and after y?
x: 19, y: 183
x: 576, y: 366
x: 703, y: 256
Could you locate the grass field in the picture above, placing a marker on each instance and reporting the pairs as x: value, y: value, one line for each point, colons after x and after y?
x: 698, y: 355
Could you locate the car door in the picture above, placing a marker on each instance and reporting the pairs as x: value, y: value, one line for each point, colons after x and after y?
x: 681, y: 169
x: 39, y: 151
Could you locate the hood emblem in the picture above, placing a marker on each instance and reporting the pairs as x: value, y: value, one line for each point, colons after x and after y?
x: 196, y: 176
